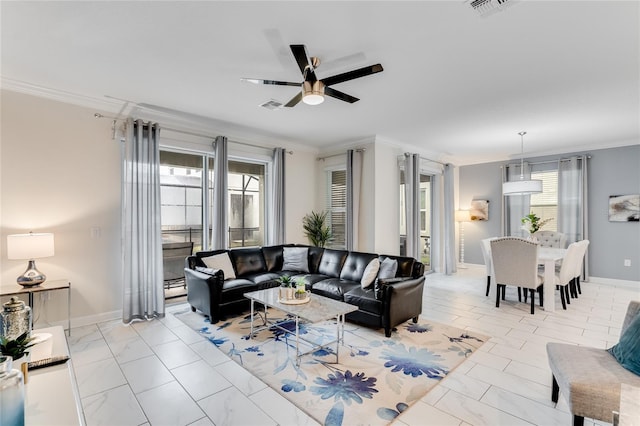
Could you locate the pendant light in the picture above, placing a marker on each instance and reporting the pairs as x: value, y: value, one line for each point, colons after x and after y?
x: 522, y: 186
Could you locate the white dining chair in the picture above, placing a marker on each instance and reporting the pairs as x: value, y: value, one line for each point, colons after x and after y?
x: 515, y: 262
x: 575, y: 286
x: 485, y: 247
x: 565, y: 276
x: 551, y: 239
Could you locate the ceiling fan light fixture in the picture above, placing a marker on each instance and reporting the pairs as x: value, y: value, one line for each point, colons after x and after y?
x: 313, y: 92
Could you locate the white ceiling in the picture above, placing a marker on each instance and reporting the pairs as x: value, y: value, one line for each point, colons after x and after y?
x: 455, y: 84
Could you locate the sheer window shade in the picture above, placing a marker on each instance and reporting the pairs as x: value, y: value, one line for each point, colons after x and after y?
x: 336, y: 206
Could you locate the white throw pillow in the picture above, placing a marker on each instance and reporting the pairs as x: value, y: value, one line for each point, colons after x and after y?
x: 221, y: 261
x: 295, y: 259
x: 388, y: 268
x: 370, y: 273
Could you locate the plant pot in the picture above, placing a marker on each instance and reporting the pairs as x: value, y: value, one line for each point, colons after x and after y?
x: 285, y: 293
x: 301, y: 296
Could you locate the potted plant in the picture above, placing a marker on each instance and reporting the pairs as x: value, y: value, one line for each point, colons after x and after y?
x: 532, y: 223
x: 17, y: 348
x: 315, y: 228
x: 301, y: 290
x: 286, y: 287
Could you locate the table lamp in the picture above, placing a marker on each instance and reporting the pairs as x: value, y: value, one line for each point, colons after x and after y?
x: 30, y: 246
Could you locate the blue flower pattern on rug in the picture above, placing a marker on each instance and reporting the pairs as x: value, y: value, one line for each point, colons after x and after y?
x: 347, y: 386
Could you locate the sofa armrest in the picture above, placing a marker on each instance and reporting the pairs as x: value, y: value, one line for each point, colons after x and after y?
x: 401, y: 299
x: 203, y: 291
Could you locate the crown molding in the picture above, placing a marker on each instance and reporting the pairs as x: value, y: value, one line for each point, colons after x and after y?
x: 104, y: 104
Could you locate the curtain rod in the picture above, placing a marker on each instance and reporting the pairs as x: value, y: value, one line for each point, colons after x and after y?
x: 337, y: 155
x: 551, y: 161
x: 427, y: 159
x: 186, y: 132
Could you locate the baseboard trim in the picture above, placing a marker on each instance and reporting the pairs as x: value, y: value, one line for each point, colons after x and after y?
x: 83, y: 321
x: 615, y: 282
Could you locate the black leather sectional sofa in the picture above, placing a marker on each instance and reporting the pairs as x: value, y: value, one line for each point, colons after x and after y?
x: 336, y: 274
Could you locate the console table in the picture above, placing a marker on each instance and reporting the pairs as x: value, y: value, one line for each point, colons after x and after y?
x: 52, y: 285
x: 51, y: 393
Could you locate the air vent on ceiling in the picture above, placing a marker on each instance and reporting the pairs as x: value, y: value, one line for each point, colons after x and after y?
x: 489, y: 7
x: 272, y: 104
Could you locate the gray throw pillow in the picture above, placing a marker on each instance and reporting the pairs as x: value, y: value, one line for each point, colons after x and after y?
x: 388, y: 268
x: 295, y: 259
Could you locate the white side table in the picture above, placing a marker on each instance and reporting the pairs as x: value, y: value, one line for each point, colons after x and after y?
x: 51, y: 393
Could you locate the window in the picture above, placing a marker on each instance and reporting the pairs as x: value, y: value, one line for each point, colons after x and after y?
x: 181, y: 197
x: 337, y: 207
x: 246, y: 204
x: 545, y: 204
x: 425, y: 217
x: 182, y: 190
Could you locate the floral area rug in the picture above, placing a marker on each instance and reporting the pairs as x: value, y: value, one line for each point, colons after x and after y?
x: 376, y: 379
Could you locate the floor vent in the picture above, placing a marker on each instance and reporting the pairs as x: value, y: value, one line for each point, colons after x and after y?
x: 272, y: 105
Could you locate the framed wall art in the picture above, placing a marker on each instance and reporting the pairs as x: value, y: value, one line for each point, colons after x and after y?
x: 624, y: 208
x: 479, y: 210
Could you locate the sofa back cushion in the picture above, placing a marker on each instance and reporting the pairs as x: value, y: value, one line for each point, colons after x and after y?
x: 315, y: 256
x: 332, y: 261
x: 355, y: 264
x: 248, y: 261
x: 273, y: 258
x: 405, y: 265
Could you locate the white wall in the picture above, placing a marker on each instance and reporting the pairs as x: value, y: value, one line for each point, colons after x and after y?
x: 60, y: 173
x: 386, y: 226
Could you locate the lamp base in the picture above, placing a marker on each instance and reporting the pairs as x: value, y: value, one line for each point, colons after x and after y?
x: 31, y: 277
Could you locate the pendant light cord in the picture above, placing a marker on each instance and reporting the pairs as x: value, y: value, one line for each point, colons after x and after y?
x: 522, y: 154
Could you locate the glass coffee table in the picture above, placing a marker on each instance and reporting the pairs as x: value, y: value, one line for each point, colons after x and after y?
x: 318, y: 308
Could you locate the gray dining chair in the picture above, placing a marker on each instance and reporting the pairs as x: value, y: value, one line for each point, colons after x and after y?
x: 515, y: 263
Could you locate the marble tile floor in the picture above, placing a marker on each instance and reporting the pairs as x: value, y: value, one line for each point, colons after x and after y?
x: 163, y: 373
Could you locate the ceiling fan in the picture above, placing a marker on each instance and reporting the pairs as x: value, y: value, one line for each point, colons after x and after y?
x: 314, y: 90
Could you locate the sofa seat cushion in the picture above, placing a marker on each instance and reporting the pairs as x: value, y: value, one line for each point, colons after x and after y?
x: 235, y: 289
x: 589, y: 379
x: 364, y: 299
x: 262, y: 277
x: 310, y: 279
x: 334, y: 288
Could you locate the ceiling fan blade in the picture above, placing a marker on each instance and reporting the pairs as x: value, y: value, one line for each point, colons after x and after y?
x: 294, y: 101
x: 340, y: 95
x: 350, y: 75
x: 300, y: 53
x: 273, y: 82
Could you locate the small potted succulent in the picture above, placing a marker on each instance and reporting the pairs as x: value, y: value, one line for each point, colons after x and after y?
x: 301, y: 290
x: 287, y: 285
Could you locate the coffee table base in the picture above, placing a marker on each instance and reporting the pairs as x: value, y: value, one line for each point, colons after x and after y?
x: 340, y: 320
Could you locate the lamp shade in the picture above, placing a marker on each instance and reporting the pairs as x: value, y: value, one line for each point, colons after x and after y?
x: 463, y: 216
x: 522, y: 187
x: 313, y: 93
x: 29, y: 246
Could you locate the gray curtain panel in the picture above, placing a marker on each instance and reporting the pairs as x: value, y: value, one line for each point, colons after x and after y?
x: 141, y: 226
x: 412, y: 201
x: 354, y: 180
x: 276, y: 234
x: 572, y: 201
x: 219, y: 220
x: 449, y: 239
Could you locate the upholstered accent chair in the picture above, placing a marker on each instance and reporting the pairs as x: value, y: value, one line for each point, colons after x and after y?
x: 515, y: 262
x: 590, y: 378
x: 551, y: 239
